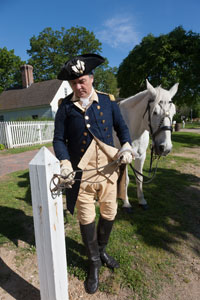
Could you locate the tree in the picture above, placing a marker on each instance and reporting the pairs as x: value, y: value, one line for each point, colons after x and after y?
x: 105, y: 80
x: 10, y: 74
x: 166, y: 59
x: 51, y: 49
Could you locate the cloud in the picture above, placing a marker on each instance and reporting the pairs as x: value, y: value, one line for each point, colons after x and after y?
x: 119, y: 32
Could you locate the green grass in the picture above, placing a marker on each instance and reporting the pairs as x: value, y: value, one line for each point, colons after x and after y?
x: 185, y: 139
x: 192, y: 125
x: 23, y: 149
x: 146, y: 243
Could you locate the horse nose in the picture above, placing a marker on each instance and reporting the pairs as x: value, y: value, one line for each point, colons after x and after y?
x: 161, y: 148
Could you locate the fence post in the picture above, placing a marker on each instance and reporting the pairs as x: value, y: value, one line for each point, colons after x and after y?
x: 49, y: 227
x: 8, y: 135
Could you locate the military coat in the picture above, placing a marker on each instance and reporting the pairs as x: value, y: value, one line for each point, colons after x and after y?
x: 75, y: 129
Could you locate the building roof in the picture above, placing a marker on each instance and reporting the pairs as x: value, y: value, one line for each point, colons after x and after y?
x: 38, y: 94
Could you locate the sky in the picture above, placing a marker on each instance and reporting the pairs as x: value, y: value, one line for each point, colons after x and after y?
x: 119, y: 25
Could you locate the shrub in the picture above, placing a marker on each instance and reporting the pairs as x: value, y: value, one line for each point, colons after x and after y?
x: 2, y: 147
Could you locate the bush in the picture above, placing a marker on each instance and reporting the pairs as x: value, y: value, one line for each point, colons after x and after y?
x: 2, y: 147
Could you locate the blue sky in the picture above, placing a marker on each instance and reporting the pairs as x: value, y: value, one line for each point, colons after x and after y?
x: 118, y: 24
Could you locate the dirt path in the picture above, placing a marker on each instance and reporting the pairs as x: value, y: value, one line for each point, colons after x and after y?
x: 15, y: 162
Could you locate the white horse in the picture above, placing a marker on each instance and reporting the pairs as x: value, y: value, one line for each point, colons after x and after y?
x: 148, y: 112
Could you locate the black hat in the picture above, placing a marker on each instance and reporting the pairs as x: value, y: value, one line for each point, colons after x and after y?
x: 79, y: 66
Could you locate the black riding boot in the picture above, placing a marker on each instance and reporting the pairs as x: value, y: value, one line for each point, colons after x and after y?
x: 89, y: 237
x: 103, y: 232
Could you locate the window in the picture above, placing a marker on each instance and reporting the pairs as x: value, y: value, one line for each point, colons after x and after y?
x: 65, y: 91
x: 1, y: 118
x: 35, y: 117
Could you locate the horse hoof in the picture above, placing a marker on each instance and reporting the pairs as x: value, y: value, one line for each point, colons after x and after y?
x: 144, y: 206
x: 127, y: 210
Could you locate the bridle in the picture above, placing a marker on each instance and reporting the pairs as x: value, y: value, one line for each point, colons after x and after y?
x: 160, y: 127
x: 153, y: 135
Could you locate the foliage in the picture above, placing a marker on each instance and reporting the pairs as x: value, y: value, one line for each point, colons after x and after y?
x: 30, y: 118
x: 105, y: 80
x: 166, y: 59
x: 51, y: 49
x: 2, y: 147
x: 10, y: 75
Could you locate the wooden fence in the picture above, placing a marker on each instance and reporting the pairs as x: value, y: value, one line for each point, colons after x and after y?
x: 17, y: 134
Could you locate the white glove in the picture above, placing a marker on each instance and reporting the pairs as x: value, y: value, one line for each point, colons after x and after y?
x: 126, y: 154
x: 67, y: 171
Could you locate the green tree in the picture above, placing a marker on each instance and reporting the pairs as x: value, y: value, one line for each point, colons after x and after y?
x: 166, y: 59
x: 10, y: 74
x: 105, y: 80
x: 51, y: 49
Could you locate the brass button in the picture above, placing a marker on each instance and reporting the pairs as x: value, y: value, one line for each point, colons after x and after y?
x: 82, y: 150
x: 101, y: 113
x: 98, y: 106
x: 86, y: 118
x: 84, y: 142
x: 85, y: 133
x: 88, y: 125
x: 103, y: 121
x: 106, y: 128
x: 108, y: 135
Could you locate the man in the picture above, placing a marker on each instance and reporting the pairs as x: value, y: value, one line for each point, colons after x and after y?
x: 83, y: 140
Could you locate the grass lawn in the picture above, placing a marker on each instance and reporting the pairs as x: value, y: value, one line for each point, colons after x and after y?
x: 146, y: 243
x: 23, y: 149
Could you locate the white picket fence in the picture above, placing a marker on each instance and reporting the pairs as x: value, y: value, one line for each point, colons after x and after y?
x: 17, y: 134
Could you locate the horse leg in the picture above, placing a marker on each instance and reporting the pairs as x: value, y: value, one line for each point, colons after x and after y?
x: 139, y: 163
x: 126, y: 204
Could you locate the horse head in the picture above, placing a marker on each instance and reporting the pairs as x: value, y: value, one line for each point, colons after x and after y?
x: 158, y: 115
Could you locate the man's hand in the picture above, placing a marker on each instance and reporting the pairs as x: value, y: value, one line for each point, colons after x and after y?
x: 67, y: 171
x: 126, y: 154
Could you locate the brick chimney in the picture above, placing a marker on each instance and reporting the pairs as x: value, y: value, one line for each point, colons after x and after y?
x: 27, y: 75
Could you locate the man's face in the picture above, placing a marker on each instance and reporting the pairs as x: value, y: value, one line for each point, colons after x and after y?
x: 82, y: 86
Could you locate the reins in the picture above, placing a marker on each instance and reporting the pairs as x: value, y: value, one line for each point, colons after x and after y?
x: 60, y: 185
x: 149, y: 179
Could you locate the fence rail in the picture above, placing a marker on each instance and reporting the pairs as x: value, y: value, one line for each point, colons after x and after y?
x: 17, y: 134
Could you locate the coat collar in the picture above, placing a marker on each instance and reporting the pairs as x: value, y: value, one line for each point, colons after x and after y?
x: 77, y: 102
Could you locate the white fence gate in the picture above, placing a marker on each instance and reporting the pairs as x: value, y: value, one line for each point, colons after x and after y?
x: 17, y: 134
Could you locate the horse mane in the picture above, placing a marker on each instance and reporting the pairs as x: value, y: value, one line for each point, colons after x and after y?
x: 136, y: 98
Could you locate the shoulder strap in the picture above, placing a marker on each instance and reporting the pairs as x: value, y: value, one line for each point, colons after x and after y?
x: 112, y: 97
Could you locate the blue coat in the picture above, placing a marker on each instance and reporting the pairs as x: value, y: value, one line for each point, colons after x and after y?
x: 74, y: 131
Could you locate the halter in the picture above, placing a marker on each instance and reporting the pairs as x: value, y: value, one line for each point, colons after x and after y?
x: 160, y: 127
x: 153, y: 135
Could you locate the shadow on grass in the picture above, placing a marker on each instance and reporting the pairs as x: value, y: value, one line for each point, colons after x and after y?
x: 75, y: 255
x: 174, y: 210
x: 15, y: 225
x: 15, y: 285
x: 186, y: 139
x: 24, y: 182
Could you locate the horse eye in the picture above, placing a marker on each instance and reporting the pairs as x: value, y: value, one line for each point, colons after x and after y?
x: 155, y: 113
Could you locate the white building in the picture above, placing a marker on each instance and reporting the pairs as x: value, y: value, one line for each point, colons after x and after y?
x: 36, y: 100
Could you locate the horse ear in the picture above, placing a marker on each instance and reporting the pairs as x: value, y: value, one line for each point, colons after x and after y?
x: 174, y: 90
x: 151, y: 89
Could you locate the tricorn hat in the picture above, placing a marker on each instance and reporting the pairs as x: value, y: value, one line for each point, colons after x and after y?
x: 79, y: 66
